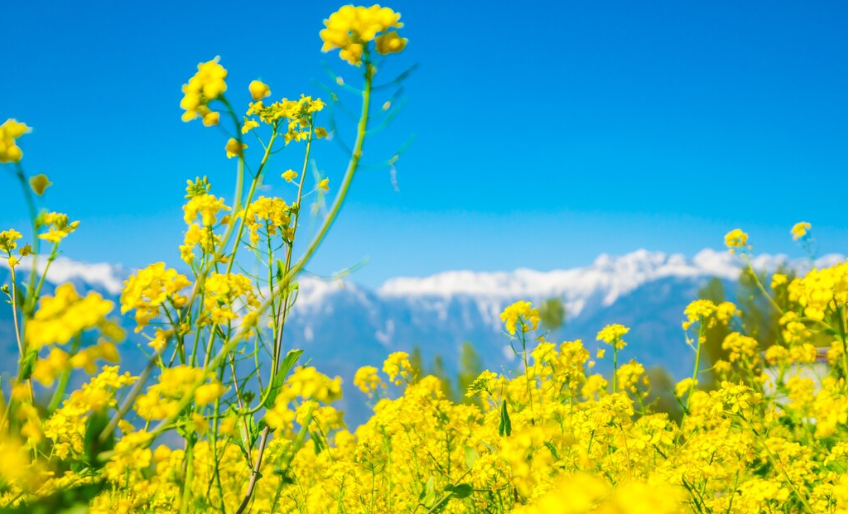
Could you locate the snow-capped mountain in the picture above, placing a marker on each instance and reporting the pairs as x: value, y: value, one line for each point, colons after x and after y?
x: 342, y: 326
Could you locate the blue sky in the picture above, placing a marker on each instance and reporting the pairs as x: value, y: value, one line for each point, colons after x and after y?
x: 545, y: 133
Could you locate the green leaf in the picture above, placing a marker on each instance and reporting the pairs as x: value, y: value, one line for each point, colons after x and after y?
x: 275, y: 386
x: 280, y: 268
x: 462, y: 490
x: 27, y: 364
x: 553, y: 450
x: 246, y: 439
x: 505, y: 426
x: 429, y: 494
x: 318, y: 441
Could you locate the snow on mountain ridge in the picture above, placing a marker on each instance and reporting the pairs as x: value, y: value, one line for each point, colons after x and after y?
x: 611, y: 277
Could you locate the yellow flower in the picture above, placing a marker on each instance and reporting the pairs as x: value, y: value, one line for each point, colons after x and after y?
x: 351, y: 28
x: 736, y: 239
x: 612, y: 334
x: 778, y: 279
x: 207, y: 206
x: 10, y: 131
x: 205, y: 86
x: 628, y: 375
x: 66, y: 314
x: 708, y: 313
x: 289, y: 175
x: 148, y: 289
x: 821, y: 291
x: 270, y: 214
x: 59, y: 226
x: 366, y: 379
x: 307, y: 383
x: 800, y: 230
x: 259, y: 90
x: 7, y: 240
x: 249, y: 124
x: 211, y: 119
x: 234, y: 148
x: 48, y: 370
x: 398, y: 367
x: 208, y: 393
x: 390, y: 43
x: 40, y: 183
x: 324, y: 185
x: 520, y: 315
x: 684, y: 386
x: 161, y: 339
x: 227, y: 295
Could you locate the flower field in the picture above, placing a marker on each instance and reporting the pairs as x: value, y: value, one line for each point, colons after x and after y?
x: 195, y: 433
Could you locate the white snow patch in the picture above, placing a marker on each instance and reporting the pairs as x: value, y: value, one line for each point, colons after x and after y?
x: 64, y: 269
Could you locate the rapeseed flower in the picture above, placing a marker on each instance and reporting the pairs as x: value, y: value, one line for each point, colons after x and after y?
x: 799, y: 230
x: 350, y: 29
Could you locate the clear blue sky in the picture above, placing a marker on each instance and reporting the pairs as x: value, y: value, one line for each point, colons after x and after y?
x: 546, y: 132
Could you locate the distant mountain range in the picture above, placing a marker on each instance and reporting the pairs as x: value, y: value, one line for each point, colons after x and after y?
x: 342, y: 326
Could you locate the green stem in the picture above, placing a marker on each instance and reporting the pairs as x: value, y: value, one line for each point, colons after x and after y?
x: 760, y: 286
x: 614, y: 366
x: 189, y: 463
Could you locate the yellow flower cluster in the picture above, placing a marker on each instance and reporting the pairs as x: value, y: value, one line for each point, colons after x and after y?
x: 272, y: 215
x: 350, y: 29
x: 205, y: 86
x: 149, y: 290
x: 310, y: 388
x: 66, y: 426
x: 629, y: 376
x: 10, y: 131
x: 206, y: 206
x: 367, y: 379
x: 297, y: 114
x: 57, y: 362
x: 799, y: 230
x: 520, y: 316
x: 612, y: 334
x: 197, y: 235
x: 162, y: 400
x: 736, y: 239
x: 59, y: 226
x: 8, y: 240
x: 227, y: 294
x: 65, y: 315
x: 398, y: 367
x: 741, y: 348
x: 821, y: 291
x: 708, y: 313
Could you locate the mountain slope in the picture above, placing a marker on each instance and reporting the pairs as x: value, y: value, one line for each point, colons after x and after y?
x: 342, y: 326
